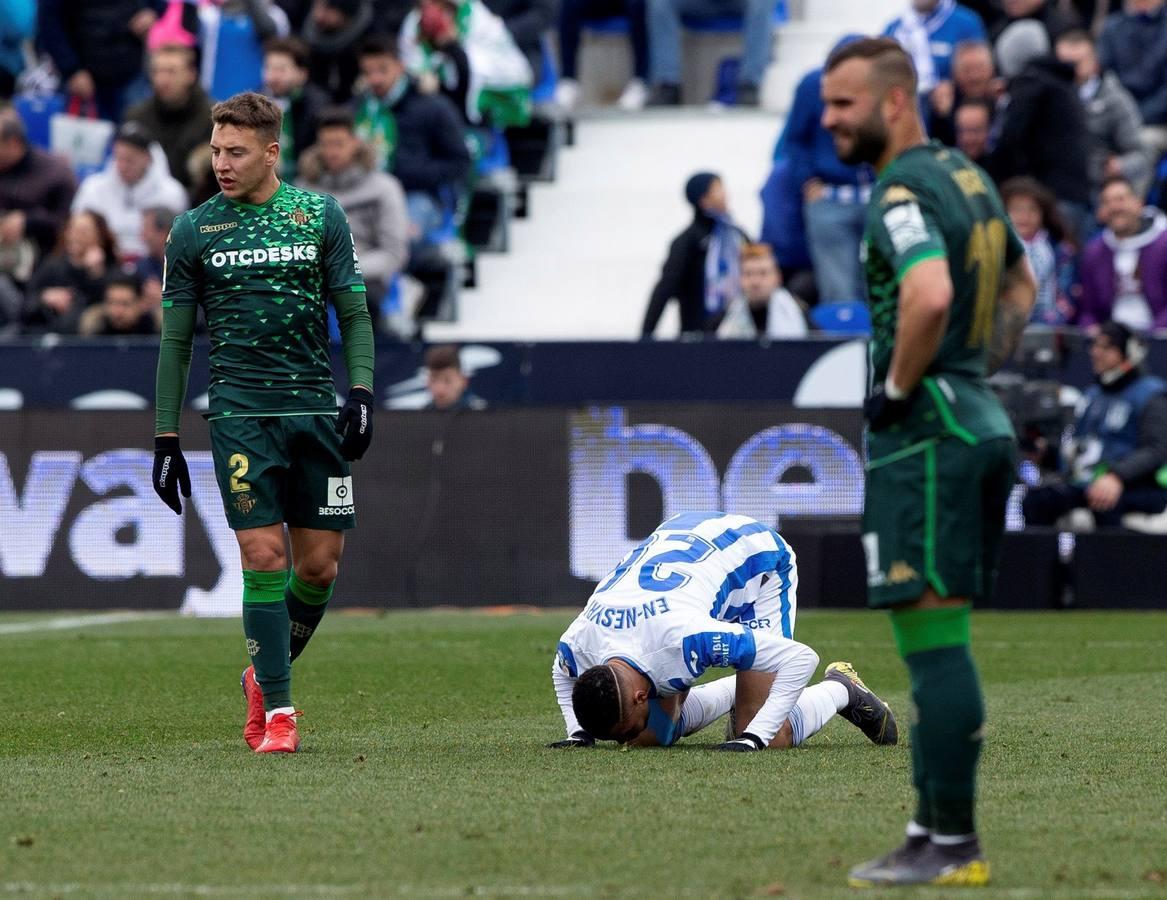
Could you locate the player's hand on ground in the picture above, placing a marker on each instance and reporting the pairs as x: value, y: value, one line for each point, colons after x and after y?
x: 747, y: 743
x: 170, y: 472
x: 354, y: 424
x: 881, y: 411
x: 579, y: 739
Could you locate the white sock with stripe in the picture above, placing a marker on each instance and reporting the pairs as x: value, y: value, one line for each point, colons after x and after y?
x: 815, y: 707
x: 706, y: 704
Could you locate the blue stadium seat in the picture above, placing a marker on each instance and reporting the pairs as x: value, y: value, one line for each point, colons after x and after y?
x: 493, y: 150
x: 547, y: 78
x: 36, y: 112
x: 842, y: 317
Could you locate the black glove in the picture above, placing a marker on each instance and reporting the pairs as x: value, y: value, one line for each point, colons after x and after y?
x: 354, y: 424
x: 170, y: 472
x: 881, y: 411
x: 747, y: 743
x: 579, y: 739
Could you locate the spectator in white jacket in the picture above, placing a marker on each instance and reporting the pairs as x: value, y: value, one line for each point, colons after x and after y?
x: 136, y: 178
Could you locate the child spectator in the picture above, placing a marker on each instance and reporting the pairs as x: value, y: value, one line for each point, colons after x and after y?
x: 1034, y: 213
x: 447, y: 383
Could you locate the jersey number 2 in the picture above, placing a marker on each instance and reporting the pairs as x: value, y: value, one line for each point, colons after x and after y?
x: 986, y: 254
x: 693, y: 549
x: 239, y: 465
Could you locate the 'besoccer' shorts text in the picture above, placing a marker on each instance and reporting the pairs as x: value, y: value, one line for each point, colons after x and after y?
x: 289, y: 469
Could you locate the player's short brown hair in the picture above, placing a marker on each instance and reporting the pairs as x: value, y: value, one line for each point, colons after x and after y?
x: 250, y: 110
x: 754, y: 252
x: 291, y: 47
x: 441, y: 357
x: 891, y: 66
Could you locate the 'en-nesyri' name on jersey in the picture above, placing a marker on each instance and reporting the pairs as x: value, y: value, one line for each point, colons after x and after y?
x: 263, y: 275
x: 684, y: 600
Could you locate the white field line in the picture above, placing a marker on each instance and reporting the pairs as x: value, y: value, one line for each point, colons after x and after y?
x: 62, y: 623
x: 123, y: 889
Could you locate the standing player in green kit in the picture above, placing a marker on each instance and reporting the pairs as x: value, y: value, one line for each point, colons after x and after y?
x: 263, y: 259
x: 950, y: 292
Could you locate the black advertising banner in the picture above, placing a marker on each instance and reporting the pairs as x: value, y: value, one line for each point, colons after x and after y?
x: 525, y: 506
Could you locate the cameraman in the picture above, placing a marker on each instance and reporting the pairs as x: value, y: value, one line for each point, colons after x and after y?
x: 1119, y: 442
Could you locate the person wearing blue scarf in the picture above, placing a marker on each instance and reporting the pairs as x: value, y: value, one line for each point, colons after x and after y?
x: 702, y: 271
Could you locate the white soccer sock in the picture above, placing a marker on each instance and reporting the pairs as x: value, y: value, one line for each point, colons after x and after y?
x: 815, y: 707
x: 915, y: 829
x: 286, y: 710
x: 707, y: 703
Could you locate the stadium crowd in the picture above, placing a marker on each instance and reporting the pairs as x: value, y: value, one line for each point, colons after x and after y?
x: 405, y: 111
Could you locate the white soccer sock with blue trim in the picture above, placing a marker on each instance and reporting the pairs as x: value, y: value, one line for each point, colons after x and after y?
x: 706, y: 704
x: 815, y: 707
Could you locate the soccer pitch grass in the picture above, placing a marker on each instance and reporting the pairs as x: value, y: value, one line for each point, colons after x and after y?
x: 423, y: 771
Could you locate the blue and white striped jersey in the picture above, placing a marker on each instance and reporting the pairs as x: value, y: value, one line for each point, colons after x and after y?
x: 692, y: 595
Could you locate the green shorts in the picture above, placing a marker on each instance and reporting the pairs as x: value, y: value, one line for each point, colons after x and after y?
x: 289, y: 469
x: 933, y: 516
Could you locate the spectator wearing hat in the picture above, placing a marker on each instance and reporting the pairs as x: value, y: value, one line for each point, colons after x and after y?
x: 1112, y: 462
x: 36, y: 188
x: 333, y: 33
x: 703, y: 269
x: 1043, y: 132
x: 135, y: 178
x: 285, y: 80
x: 178, y: 112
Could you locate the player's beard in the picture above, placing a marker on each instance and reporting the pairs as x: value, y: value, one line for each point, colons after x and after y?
x: 869, y: 141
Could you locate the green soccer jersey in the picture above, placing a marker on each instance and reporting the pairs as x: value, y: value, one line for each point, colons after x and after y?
x: 932, y: 202
x: 263, y: 275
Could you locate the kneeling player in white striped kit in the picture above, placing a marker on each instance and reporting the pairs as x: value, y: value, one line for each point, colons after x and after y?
x: 704, y: 590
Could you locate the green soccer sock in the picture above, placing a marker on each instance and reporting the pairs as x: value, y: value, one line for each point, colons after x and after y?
x: 265, y: 623
x: 946, y: 738
x: 306, y: 604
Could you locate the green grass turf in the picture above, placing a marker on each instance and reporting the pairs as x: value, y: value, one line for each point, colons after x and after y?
x: 423, y: 773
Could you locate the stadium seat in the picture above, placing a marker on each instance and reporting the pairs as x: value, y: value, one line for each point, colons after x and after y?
x: 546, y: 78
x: 843, y: 317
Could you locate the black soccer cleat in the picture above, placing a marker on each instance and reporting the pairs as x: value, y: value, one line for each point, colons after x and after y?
x: 922, y: 861
x: 864, y: 709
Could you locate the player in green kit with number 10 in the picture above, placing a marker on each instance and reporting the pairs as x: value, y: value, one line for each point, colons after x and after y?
x: 950, y: 292
x: 263, y: 259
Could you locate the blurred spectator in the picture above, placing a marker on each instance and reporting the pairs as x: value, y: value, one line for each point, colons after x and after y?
x: 121, y: 311
x: 572, y: 15
x: 974, y: 124
x: 833, y: 195
x: 417, y: 137
x: 1052, y: 15
x: 764, y: 308
x: 974, y: 77
x: 231, y: 39
x: 342, y: 164
x: 447, y: 383
x: 285, y: 80
x: 135, y: 178
x: 73, y: 278
x: 528, y: 21
x: 1116, y: 145
x: 484, y: 66
x: 17, y: 25
x: 156, y: 223
x: 1043, y: 130
x: 97, y: 46
x: 333, y: 32
x: 702, y: 271
x: 389, y: 15
x: 930, y: 31
x: 178, y: 112
x: 1124, y: 270
x: 36, y: 187
x: 1133, y: 45
x: 1112, y: 462
x: 664, y: 43
x: 1035, y: 217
